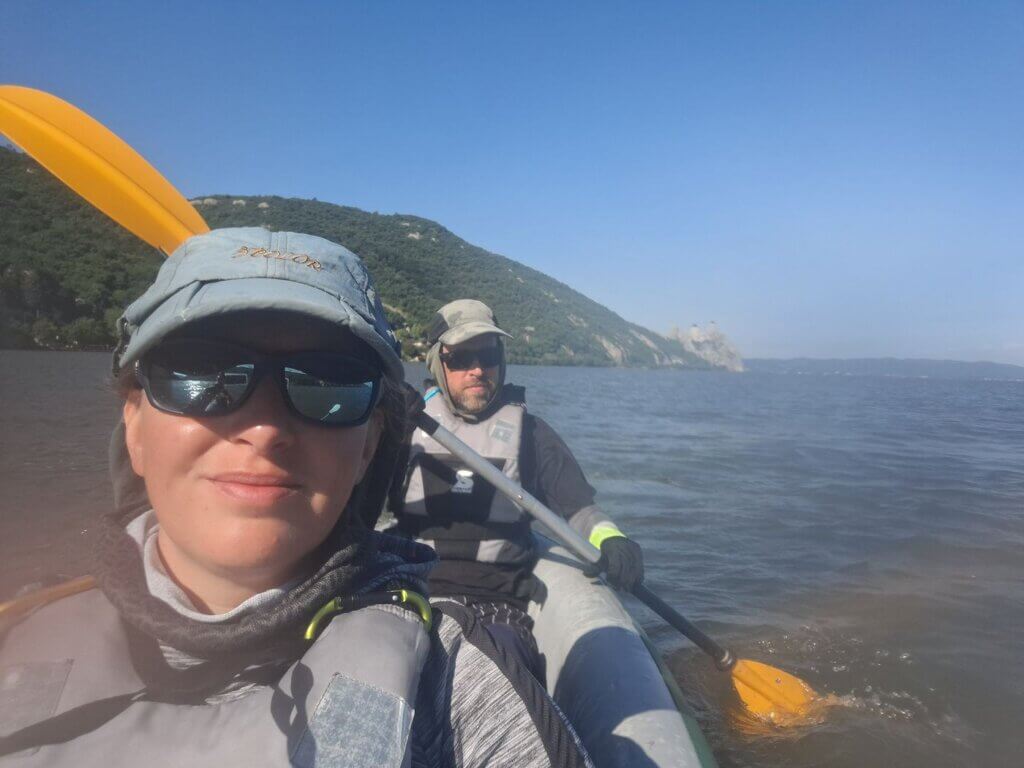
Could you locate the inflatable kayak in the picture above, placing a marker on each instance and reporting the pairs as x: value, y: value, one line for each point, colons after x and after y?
x: 605, y: 674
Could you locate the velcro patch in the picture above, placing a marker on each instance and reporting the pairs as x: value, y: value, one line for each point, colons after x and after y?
x: 503, y: 431
x: 30, y: 692
x: 355, y: 725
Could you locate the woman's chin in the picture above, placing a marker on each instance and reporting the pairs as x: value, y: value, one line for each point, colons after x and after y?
x: 255, y: 550
x: 247, y: 544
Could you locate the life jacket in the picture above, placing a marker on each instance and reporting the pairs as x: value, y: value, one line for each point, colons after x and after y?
x: 447, y: 506
x: 348, y: 701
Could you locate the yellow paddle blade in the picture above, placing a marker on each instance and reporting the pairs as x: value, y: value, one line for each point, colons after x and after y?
x: 99, y: 166
x: 770, y: 693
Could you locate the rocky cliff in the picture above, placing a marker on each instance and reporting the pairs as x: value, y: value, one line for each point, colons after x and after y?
x: 710, y: 345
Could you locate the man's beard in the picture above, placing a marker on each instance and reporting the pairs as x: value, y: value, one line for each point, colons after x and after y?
x: 474, y: 402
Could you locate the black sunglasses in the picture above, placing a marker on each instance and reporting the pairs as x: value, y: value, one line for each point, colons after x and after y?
x: 190, y: 377
x: 465, y: 359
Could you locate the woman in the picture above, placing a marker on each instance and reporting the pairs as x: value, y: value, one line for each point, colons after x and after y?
x: 243, y: 616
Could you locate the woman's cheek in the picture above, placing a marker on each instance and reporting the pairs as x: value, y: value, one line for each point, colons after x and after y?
x: 337, y: 462
x: 175, y: 448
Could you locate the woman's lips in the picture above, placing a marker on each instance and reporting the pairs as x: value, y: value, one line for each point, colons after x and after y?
x: 255, y: 489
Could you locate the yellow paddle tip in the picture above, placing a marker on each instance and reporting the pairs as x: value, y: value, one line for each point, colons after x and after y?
x: 771, y: 694
x: 99, y: 166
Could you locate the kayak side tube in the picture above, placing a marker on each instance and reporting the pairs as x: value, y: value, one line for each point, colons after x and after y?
x: 604, y: 676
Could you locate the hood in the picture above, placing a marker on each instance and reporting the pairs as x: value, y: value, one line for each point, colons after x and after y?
x: 436, y: 369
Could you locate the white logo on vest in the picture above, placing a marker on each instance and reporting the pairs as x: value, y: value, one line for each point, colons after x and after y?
x: 463, y: 482
x: 503, y: 431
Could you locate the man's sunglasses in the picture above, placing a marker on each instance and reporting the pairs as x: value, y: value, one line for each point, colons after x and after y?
x: 465, y: 359
x: 206, y: 378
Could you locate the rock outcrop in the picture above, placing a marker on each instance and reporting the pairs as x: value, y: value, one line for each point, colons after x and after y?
x: 709, y: 344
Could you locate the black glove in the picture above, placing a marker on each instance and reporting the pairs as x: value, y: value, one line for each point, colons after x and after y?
x: 622, y: 561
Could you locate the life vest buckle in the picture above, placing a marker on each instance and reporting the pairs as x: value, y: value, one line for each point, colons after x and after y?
x: 404, y: 597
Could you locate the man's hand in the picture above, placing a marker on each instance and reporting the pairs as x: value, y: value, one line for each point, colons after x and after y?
x: 622, y: 561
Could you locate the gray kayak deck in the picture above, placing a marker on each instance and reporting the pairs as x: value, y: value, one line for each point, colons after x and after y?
x: 604, y: 674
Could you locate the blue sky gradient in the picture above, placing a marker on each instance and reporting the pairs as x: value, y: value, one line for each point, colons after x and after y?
x: 822, y: 179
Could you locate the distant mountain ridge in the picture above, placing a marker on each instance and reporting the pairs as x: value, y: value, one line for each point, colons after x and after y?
x: 66, y: 272
x: 889, y: 366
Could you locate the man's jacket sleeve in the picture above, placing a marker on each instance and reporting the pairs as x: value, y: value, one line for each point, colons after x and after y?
x: 551, y: 473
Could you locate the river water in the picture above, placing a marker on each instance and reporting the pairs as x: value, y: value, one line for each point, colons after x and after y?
x: 865, y: 534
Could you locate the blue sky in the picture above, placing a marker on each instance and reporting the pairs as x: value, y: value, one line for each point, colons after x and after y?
x: 821, y: 179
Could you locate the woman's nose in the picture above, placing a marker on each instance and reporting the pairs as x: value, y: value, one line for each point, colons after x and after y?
x: 264, y: 421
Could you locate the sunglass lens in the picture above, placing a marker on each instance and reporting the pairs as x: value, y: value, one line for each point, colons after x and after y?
x: 198, y: 380
x: 465, y: 359
x: 331, y: 389
x: 490, y: 357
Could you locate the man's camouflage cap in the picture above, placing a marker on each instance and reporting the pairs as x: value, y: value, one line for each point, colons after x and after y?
x: 462, y: 320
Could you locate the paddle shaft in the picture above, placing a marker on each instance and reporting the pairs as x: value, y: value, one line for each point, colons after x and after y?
x: 567, y: 535
x: 722, y: 657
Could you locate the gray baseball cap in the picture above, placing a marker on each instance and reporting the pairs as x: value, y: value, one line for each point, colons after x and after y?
x: 462, y: 320
x: 251, y: 268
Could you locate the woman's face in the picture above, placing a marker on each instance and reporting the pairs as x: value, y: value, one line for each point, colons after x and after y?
x: 248, y: 495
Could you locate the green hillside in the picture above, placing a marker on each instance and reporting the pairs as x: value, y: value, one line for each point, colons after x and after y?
x: 66, y: 272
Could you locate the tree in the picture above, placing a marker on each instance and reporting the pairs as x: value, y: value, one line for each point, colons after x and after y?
x: 45, y: 333
x: 87, y: 332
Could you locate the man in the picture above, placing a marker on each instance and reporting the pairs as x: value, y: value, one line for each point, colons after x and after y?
x: 484, y: 541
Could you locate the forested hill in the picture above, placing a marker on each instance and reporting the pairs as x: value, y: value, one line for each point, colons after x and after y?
x: 67, y: 271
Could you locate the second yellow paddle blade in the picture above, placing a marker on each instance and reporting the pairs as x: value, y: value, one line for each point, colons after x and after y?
x: 99, y: 166
x: 770, y: 693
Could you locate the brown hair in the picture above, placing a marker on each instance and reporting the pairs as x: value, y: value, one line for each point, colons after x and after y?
x: 392, y: 410
x: 125, y: 382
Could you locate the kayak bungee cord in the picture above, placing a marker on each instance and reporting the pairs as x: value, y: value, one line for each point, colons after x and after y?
x: 115, y: 179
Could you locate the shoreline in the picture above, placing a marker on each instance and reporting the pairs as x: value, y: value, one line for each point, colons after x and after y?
x: 560, y: 364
